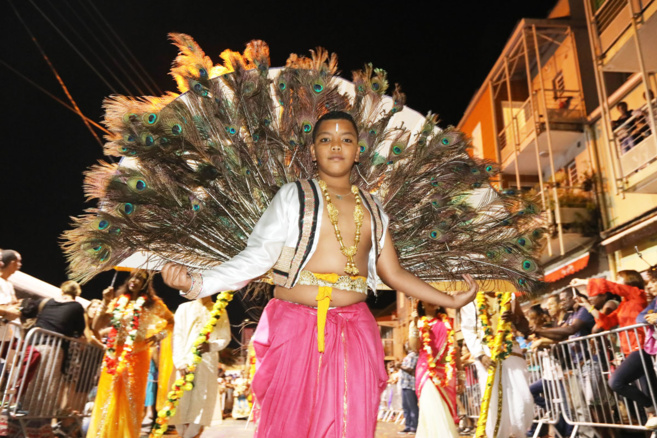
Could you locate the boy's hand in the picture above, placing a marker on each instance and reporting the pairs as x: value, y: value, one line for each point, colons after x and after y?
x: 176, y: 277
x: 463, y: 298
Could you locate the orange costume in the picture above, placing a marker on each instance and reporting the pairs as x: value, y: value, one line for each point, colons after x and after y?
x: 119, y: 405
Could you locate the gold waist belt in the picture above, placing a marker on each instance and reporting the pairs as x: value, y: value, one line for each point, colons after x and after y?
x: 326, y: 283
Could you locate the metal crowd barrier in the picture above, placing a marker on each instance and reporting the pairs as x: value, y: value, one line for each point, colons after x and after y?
x: 588, y: 362
x: 46, y: 375
x: 470, y: 399
x: 575, y: 377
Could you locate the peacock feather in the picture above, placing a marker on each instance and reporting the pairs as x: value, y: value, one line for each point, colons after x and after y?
x: 198, y: 169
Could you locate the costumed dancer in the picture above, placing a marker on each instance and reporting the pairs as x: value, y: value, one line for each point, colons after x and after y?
x: 437, y: 372
x: 138, y: 320
x: 320, y: 371
x: 196, y: 407
x: 222, y: 180
x: 487, y: 326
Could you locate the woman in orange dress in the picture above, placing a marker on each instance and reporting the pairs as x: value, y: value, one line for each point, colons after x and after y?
x: 137, y: 319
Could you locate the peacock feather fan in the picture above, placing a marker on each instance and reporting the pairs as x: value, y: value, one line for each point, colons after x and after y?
x: 199, y: 168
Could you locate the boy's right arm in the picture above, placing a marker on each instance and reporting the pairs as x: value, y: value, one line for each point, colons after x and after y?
x: 261, y: 253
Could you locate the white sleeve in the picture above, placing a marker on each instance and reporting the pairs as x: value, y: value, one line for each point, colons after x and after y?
x: 469, y: 330
x: 180, y: 333
x: 220, y: 336
x: 260, y: 255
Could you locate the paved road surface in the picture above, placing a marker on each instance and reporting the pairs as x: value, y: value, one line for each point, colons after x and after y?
x: 235, y: 429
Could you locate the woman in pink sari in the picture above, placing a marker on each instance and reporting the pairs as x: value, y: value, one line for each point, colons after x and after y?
x: 436, y: 372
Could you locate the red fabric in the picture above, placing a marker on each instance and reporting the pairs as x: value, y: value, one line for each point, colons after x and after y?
x: 438, y: 338
x: 304, y: 393
x: 633, y: 302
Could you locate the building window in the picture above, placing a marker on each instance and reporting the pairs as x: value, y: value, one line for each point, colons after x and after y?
x: 571, y: 170
x: 558, y: 85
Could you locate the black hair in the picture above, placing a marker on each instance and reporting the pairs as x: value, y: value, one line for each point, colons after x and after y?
x: 146, y: 287
x: 421, y: 312
x: 538, y: 310
x: 652, y: 273
x: 335, y: 115
x: 8, y: 256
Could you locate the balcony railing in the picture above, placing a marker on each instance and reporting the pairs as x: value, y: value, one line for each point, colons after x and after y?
x: 635, y: 140
x: 561, y: 106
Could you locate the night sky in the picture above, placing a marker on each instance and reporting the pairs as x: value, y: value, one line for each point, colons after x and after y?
x: 439, y: 54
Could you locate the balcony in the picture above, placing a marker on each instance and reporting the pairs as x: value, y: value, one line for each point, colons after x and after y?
x: 636, y: 148
x: 613, y: 20
x: 565, y: 115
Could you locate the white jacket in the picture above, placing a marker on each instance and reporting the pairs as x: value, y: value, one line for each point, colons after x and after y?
x: 284, y: 240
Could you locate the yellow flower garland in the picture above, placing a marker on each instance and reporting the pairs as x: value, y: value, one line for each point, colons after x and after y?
x: 501, y: 347
x: 186, y: 382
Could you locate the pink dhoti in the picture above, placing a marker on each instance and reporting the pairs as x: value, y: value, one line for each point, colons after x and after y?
x: 303, y: 393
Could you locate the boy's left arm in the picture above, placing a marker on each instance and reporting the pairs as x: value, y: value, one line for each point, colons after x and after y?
x: 398, y: 278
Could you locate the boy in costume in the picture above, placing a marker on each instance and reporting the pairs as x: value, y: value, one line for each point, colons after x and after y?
x: 320, y: 362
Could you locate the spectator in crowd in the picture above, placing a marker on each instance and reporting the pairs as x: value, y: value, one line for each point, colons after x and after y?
x: 11, y: 262
x: 196, y: 407
x: 632, y: 373
x: 64, y: 316
x: 623, y: 127
x: 94, y: 337
x: 241, y: 408
x: 407, y: 383
x: 629, y: 286
x: 625, y: 113
x: 575, y: 324
x: 554, y: 309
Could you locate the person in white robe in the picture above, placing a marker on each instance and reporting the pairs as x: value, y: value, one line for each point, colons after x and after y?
x: 196, y: 407
x: 517, y: 402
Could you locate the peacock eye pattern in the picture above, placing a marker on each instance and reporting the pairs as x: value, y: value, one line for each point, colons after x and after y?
x: 240, y: 132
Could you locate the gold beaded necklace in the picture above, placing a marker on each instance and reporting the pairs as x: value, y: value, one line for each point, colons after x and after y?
x: 350, y: 251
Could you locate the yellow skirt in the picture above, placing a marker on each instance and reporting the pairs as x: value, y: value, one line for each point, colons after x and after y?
x: 119, y: 405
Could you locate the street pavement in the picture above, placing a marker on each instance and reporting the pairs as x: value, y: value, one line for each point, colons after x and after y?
x: 236, y: 429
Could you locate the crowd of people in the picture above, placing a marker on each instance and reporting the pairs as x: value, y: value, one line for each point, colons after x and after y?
x: 586, y: 307
x: 134, y: 327
x: 146, y: 347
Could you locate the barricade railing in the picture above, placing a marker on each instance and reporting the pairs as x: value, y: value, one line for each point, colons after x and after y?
x: 575, y: 376
x: 588, y: 363
x: 11, y: 341
x: 470, y: 399
x: 50, y: 375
